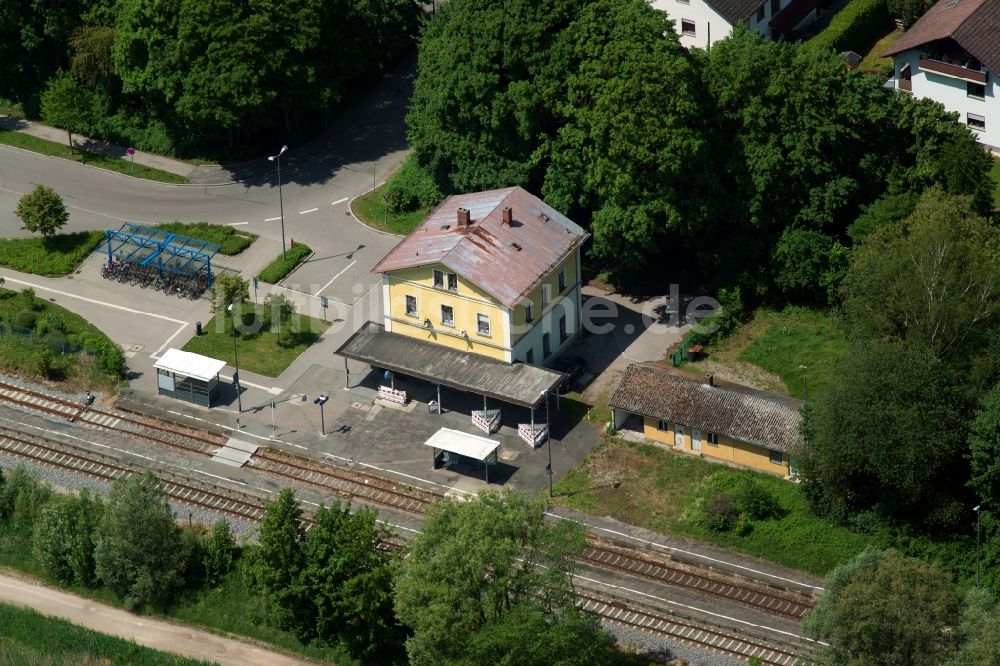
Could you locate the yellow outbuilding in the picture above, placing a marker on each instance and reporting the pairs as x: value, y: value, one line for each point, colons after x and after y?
x: 719, y: 421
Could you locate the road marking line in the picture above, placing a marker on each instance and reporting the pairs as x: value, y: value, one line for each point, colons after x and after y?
x: 156, y: 354
x: 335, y: 277
x: 96, y: 302
x: 306, y: 212
x: 236, y: 224
x: 340, y: 201
x: 272, y: 219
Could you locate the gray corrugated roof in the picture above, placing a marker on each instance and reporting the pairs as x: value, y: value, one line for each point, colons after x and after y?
x: 735, y: 11
x: 517, y: 383
x: 484, y: 252
x: 757, y: 417
x: 974, y: 24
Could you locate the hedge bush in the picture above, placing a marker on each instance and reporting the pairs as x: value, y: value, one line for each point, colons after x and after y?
x: 276, y: 271
x: 856, y: 27
x: 53, y: 257
x: 412, y: 188
x: 233, y: 242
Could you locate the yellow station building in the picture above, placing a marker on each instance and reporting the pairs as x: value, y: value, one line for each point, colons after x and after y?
x: 719, y: 421
x: 493, y: 273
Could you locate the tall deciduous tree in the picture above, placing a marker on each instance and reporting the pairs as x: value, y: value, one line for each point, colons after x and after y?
x: 42, y: 211
x: 64, y: 537
x: 888, y: 437
x: 476, y: 561
x: 984, y: 445
x: 884, y: 608
x: 67, y: 104
x: 278, y: 560
x: 932, y: 280
x: 138, y: 553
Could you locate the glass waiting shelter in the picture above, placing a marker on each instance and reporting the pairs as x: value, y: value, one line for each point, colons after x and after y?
x: 189, y: 377
x: 453, y: 447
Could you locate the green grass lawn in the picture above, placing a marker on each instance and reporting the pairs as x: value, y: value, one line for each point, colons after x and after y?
x: 871, y: 59
x: 55, y: 257
x: 232, y: 242
x: 995, y: 175
x: 27, y: 637
x: 259, y: 348
x: 650, y: 487
x: 370, y: 208
x: 45, y: 147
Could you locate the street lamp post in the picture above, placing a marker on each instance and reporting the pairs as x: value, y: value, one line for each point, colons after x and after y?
x: 548, y: 439
x: 281, y: 201
x: 321, y: 400
x: 236, y: 356
x: 978, y: 510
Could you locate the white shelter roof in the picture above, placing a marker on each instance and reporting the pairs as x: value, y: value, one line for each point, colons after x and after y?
x: 462, y: 443
x: 190, y: 365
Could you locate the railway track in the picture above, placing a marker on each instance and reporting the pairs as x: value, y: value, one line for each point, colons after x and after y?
x: 59, y: 455
x: 612, y: 609
x: 366, y: 487
x: 773, y: 600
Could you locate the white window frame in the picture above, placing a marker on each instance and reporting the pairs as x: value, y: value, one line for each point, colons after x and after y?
x: 563, y: 331
x: 546, y: 346
x: 438, y: 279
x: 562, y: 280
x: 975, y: 117
x: 970, y: 95
x: 416, y: 311
x: 452, y: 280
x: 480, y: 318
x: 776, y: 457
x: 546, y: 295
x: 444, y: 322
x: 662, y: 425
x: 529, y: 312
x: 712, y: 438
x: 688, y: 33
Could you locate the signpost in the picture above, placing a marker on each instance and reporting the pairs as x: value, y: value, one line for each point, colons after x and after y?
x: 131, y: 153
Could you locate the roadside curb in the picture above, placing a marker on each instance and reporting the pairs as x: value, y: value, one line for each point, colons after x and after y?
x: 92, y: 166
x: 350, y: 209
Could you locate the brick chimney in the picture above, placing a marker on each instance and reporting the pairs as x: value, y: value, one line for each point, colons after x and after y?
x: 508, y: 215
x: 463, y: 217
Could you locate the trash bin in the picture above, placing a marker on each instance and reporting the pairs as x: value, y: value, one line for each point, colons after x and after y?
x: 694, y: 352
x: 433, y: 407
x: 197, y: 328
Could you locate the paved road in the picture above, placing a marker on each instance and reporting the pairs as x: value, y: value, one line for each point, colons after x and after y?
x: 156, y: 634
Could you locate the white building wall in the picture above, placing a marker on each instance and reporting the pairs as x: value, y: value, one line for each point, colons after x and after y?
x: 709, y: 26
x: 952, y: 93
x: 548, y: 322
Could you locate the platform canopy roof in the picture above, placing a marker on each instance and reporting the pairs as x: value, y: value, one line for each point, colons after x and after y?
x: 462, y: 443
x: 515, y: 383
x: 190, y: 365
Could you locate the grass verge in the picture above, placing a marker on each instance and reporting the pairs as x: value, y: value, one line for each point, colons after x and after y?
x: 28, y: 637
x: 53, y: 257
x: 650, y: 487
x: 261, y: 349
x: 780, y: 351
x: 370, y: 208
x: 232, y: 242
x: 53, y: 149
x: 283, y: 264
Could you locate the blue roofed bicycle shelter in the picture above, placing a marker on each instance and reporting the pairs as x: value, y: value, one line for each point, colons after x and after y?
x: 161, y: 250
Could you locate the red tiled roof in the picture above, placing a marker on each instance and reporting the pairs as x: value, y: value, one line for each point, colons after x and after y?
x: 973, y: 24
x: 506, y: 261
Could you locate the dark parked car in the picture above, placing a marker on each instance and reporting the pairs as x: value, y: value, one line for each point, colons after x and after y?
x: 574, y: 367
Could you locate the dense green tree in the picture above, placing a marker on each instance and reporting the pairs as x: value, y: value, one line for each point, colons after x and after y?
x: 881, y: 212
x: 278, y: 560
x: 23, y: 495
x: 474, y: 562
x: 630, y: 152
x: 229, y: 289
x: 64, y: 537
x: 931, y: 280
x: 139, y: 554
x: 984, y: 445
x: 886, y: 609
x: 979, y: 631
x: 42, y: 211
x: 92, y: 62
x: 345, y: 584
x: 218, y: 552
x: 479, y: 109
x: 67, y: 104
x: 889, y: 436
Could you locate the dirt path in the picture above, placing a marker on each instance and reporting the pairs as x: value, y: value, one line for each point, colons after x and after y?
x: 146, y: 631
